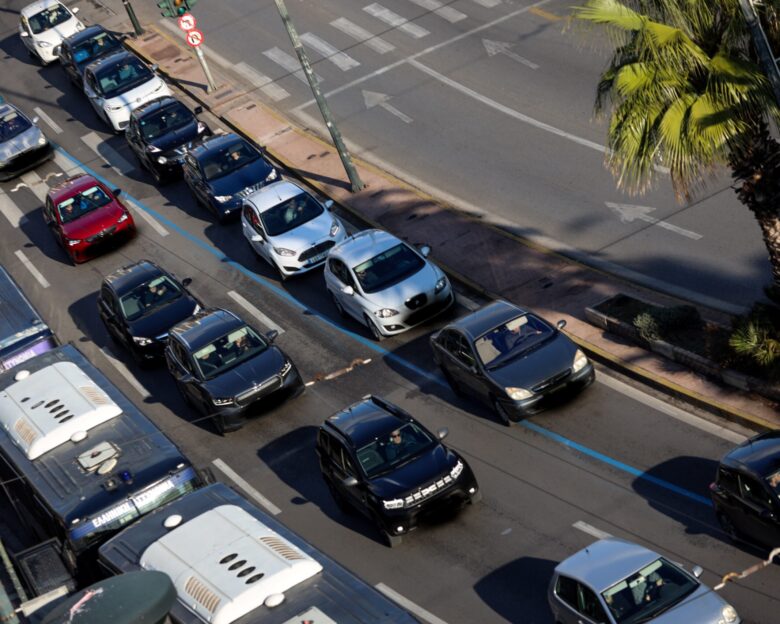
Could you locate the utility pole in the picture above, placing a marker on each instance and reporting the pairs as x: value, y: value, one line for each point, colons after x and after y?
x: 765, y: 55
x: 346, y: 159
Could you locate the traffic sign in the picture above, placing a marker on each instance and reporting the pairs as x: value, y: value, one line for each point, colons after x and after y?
x: 187, y: 21
x: 194, y: 37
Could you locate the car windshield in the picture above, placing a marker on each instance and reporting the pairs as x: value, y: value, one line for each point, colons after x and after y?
x: 95, y: 47
x: 512, y: 339
x: 388, y: 268
x: 227, y: 159
x: 394, y: 448
x: 86, y: 201
x: 649, y: 592
x: 121, y: 77
x: 228, y: 351
x: 165, y: 120
x: 48, y: 18
x: 149, y: 296
x: 12, y: 124
x: 290, y: 214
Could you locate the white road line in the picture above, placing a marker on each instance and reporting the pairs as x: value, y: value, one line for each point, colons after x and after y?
x: 360, y: 34
x: 341, y: 60
x: 409, y: 605
x: 671, y: 410
x: 467, y: 303
x: 396, y: 21
x: 7, y: 206
x: 66, y: 164
x: 448, y: 13
x: 53, y: 124
x: 140, y: 212
x: 108, y: 153
x: 31, y: 268
x: 262, y: 82
x: 36, y: 185
x: 489, y: 4
x: 591, y: 530
x: 125, y: 372
x: 254, y: 311
x: 233, y: 476
x: 288, y: 63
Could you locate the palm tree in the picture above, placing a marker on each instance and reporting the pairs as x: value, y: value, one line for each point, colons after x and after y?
x: 684, y: 93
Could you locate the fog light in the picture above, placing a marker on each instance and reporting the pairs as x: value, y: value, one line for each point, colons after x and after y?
x: 399, y: 529
x: 472, y: 490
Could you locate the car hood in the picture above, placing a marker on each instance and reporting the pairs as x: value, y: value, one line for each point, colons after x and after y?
x: 306, y: 235
x: 249, y: 175
x: 55, y: 35
x: 424, y: 281
x: 546, y: 360
x: 20, y: 143
x: 703, y: 607
x: 140, y: 94
x: 162, y: 319
x: 419, y: 472
x: 177, y: 138
x: 93, y: 222
x: 246, y: 374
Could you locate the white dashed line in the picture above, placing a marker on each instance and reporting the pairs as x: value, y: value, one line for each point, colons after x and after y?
x: 360, y: 34
x: 409, y: 605
x: 108, y: 153
x: 341, y: 60
x: 36, y: 185
x: 467, y: 303
x: 488, y: 4
x: 448, y: 13
x: 288, y: 63
x: 254, y: 311
x: 396, y: 21
x: 31, y: 268
x: 10, y: 211
x: 125, y: 372
x: 591, y: 530
x: 53, y: 124
x: 262, y: 82
x: 233, y: 476
x: 66, y: 164
x: 140, y: 212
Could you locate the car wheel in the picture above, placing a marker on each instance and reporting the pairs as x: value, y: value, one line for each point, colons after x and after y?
x: 502, y: 413
x: 373, y: 329
x: 337, y: 304
x: 453, y: 384
x: 728, y: 527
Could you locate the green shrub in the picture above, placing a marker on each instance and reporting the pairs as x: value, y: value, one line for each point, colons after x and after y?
x: 757, y: 335
x: 659, y: 323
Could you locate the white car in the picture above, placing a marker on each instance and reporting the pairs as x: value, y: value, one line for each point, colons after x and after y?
x: 289, y: 228
x: 44, y: 24
x: 118, y: 84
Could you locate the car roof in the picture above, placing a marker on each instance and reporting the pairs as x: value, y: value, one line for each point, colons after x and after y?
x: 215, y: 142
x: 120, y: 56
x: 273, y: 194
x: 37, y: 7
x: 206, y: 326
x: 364, y: 245
x: 154, y: 105
x: 128, y: 277
x: 606, y: 562
x: 72, y: 185
x: 7, y: 107
x: 364, y: 421
x: 83, y: 35
x: 760, y: 454
x: 486, y: 318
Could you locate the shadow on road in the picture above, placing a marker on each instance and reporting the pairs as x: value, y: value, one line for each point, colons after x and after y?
x: 517, y: 591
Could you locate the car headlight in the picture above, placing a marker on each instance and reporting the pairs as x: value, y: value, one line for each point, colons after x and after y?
x: 284, y: 252
x: 125, y: 216
x: 222, y: 402
x: 73, y: 242
x: 162, y: 160
x: 271, y: 176
x: 334, y: 227
x: 456, y: 470
x: 153, y: 149
x: 518, y: 394
x: 43, y: 44
x: 729, y: 615
x: 396, y: 503
x: 223, y: 198
x: 42, y: 140
x: 385, y: 313
x: 580, y: 361
x: 440, y: 284
x: 142, y: 341
x: 286, y: 368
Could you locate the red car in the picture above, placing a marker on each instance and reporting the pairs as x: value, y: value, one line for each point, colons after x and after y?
x: 86, y: 217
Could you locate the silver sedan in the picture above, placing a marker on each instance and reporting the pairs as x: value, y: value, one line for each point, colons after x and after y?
x: 384, y: 283
x: 22, y: 144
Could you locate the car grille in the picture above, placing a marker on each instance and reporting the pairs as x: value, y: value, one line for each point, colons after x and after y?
x: 266, y: 387
x: 418, y: 301
x: 419, y: 316
x: 317, y: 249
x: 249, y: 190
x: 101, y: 235
x: 552, y: 381
x: 428, y: 491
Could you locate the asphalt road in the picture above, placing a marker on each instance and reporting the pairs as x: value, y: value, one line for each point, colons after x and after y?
x: 613, y: 460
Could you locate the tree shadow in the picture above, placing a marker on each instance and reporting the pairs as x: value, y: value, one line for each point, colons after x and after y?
x: 517, y: 591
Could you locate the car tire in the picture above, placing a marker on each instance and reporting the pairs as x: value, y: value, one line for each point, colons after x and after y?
x: 391, y: 540
x: 503, y: 415
x: 337, y: 304
x: 728, y: 527
x: 373, y: 329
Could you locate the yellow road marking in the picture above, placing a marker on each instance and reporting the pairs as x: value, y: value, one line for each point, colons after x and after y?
x: 545, y: 14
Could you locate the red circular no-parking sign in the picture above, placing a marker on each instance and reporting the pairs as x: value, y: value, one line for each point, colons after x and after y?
x: 194, y: 37
x: 187, y: 21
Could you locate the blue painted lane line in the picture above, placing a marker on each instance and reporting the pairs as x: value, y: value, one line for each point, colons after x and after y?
x: 283, y: 294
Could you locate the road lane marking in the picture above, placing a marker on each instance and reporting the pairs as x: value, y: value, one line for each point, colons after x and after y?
x: 53, y: 124
x: 108, y: 153
x: 467, y: 303
x: 488, y: 4
x: 341, y: 60
x: 396, y: 21
x: 68, y: 166
x: 244, y: 485
x: 373, y: 98
x: 628, y: 213
x: 288, y: 63
x: 254, y: 311
x: 505, y: 48
x: 591, y: 530
x: 125, y: 372
x: 31, y: 268
x: 377, y: 44
x: 140, y: 212
x: 262, y: 82
x: 36, y: 185
x: 546, y: 14
x: 10, y: 210
x: 448, y: 13
x: 407, y: 604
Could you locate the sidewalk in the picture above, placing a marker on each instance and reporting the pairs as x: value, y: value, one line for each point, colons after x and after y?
x: 480, y: 255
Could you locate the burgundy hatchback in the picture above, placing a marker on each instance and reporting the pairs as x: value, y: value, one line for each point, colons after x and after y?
x: 86, y: 217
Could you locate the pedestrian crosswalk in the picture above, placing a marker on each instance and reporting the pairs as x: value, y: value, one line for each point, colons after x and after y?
x: 396, y: 21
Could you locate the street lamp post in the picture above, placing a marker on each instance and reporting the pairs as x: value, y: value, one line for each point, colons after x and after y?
x: 133, y: 19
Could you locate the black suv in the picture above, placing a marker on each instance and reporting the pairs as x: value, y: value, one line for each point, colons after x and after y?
x: 746, y: 492
x: 374, y: 456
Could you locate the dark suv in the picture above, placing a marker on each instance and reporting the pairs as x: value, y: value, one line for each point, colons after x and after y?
x: 746, y: 492
x: 374, y: 456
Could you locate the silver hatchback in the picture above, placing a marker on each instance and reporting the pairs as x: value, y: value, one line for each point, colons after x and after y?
x: 617, y: 582
x: 384, y: 283
x: 22, y: 144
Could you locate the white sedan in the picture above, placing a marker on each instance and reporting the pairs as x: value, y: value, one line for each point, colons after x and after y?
x: 44, y: 24
x: 289, y: 228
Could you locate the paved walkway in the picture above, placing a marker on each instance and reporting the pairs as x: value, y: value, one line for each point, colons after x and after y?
x: 484, y: 257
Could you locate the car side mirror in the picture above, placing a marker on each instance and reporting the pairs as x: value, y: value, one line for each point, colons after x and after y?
x: 349, y: 481
x: 425, y: 250
x: 75, y: 10
x: 257, y: 238
x: 697, y: 571
x: 117, y: 192
x: 765, y: 514
x: 24, y: 33
x: 186, y: 281
x: 198, y: 110
x: 442, y: 433
x: 561, y: 324
x: 272, y: 335
x: 328, y: 204
x: 155, y: 67
x: 348, y: 290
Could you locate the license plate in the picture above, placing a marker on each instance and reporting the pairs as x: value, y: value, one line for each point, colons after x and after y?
x: 318, y: 257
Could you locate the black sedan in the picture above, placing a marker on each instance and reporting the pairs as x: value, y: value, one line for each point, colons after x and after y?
x: 377, y: 458
x: 160, y: 132
x: 85, y: 47
x: 226, y: 369
x: 224, y: 169
x: 139, y: 303
x: 509, y: 358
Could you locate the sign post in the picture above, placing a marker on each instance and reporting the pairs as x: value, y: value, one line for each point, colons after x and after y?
x: 194, y: 38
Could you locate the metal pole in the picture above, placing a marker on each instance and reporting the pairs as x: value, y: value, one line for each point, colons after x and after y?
x: 765, y: 55
x: 133, y: 19
x: 346, y: 159
x: 202, y: 59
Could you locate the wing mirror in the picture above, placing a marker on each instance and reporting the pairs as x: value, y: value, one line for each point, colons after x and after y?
x: 561, y: 324
x: 155, y: 67
x: 117, y: 192
x: 425, y: 250
x: 272, y: 335
x: 35, y: 120
x: 328, y: 204
x: 75, y: 10
x: 697, y: 571
x: 186, y: 281
x: 256, y: 238
x: 24, y: 33
x: 442, y: 433
x: 349, y: 481
x: 198, y: 110
x: 348, y: 290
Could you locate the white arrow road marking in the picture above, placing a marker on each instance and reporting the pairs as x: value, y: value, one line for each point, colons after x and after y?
x: 503, y: 47
x: 39, y: 111
x: 36, y: 185
x: 341, y: 60
x: 630, y: 212
x: 290, y: 63
x: 407, y: 604
x: 235, y: 478
x: 396, y: 21
x: 448, y: 13
x: 31, y: 268
x: 372, y: 98
x: 360, y: 34
x: 254, y: 311
x: 15, y: 216
x: 108, y: 153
